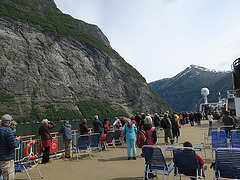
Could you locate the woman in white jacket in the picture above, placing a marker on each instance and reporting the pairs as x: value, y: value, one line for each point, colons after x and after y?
x: 210, y: 119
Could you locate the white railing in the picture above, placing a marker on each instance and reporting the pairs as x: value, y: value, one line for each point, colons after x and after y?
x: 19, y: 151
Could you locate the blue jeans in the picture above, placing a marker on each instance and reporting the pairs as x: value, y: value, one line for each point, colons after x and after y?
x: 131, y: 143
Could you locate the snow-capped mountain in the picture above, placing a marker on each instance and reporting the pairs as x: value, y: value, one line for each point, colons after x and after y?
x: 182, y: 92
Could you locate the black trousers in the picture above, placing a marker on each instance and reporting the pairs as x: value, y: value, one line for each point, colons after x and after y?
x: 46, y: 154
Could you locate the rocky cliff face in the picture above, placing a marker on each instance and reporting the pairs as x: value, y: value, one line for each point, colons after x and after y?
x: 46, y: 66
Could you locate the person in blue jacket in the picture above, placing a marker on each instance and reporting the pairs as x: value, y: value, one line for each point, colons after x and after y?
x: 67, y: 138
x: 130, y: 130
x: 8, y: 143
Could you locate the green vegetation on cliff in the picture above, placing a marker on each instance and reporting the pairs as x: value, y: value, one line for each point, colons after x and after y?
x: 102, y: 108
x: 56, y: 110
x: 51, y: 19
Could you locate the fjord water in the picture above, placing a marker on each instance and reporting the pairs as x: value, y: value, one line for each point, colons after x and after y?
x: 32, y: 128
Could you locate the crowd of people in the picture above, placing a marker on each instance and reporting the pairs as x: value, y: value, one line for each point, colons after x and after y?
x: 130, y: 128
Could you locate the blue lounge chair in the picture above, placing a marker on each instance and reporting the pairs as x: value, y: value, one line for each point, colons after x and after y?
x: 117, y: 137
x: 227, y: 163
x: 186, y: 163
x: 169, y: 146
x: 25, y: 165
x: 219, y: 140
x: 235, y: 139
x: 155, y: 161
x: 83, y: 145
x: 227, y: 130
x: 95, y: 142
x: 109, y: 139
x: 208, y: 136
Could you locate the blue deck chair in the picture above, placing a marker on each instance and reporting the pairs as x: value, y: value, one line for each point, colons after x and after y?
x: 219, y: 140
x: 26, y: 165
x: 227, y: 130
x: 95, y: 142
x: 169, y: 146
x: 186, y: 163
x: 109, y: 139
x: 83, y: 145
x: 117, y: 137
x: 155, y: 161
x: 227, y: 163
x: 208, y: 136
x: 235, y: 139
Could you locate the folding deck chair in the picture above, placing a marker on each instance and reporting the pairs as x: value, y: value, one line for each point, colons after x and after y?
x: 95, y: 142
x: 227, y: 163
x: 169, y: 146
x: 25, y: 165
x: 219, y: 140
x: 155, y: 161
x: 117, y: 137
x: 109, y: 139
x: 83, y: 145
x: 235, y: 139
x: 227, y: 130
x: 208, y: 136
x: 186, y: 163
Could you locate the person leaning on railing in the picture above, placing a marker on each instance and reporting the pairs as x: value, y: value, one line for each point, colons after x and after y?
x: 66, y: 129
x: 44, y: 131
x: 8, y: 143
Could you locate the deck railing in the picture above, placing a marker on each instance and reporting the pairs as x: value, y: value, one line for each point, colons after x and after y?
x: 19, y: 151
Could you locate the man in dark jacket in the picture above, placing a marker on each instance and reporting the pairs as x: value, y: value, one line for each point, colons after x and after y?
x: 227, y: 119
x: 167, y: 127
x: 97, y: 125
x: 8, y: 143
x: 67, y: 138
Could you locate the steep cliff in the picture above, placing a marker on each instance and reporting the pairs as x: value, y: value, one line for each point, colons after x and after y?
x: 47, y: 56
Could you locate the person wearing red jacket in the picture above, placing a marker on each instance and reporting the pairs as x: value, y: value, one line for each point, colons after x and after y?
x: 200, y: 160
x: 44, y: 132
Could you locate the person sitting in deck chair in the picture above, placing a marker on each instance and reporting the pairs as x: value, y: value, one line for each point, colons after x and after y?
x: 200, y: 160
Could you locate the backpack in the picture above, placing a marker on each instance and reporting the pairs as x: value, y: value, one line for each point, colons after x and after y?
x: 106, y: 127
x: 164, y: 123
x: 141, y: 139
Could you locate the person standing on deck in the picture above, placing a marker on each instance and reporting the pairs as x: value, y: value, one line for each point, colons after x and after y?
x: 175, y: 129
x: 14, y: 126
x: 210, y: 119
x: 8, y: 143
x: 137, y: 119
x: 130, y: 130
x: 44, y: 132
x: 167, y: 127
x: 150, y: 131
x: 151, y: 135
x: 97, y: 126
x: 83, y: 127
x: 227, y: 119
x: 67, y: 138
x: 191, y: 118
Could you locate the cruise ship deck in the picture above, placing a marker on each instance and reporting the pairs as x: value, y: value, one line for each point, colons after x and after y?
x: 114, y: 164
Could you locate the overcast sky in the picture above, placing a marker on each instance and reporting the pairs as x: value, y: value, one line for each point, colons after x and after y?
x: 160, y: 38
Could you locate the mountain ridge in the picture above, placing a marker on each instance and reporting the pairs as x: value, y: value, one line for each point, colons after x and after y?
x: 182, y: 91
